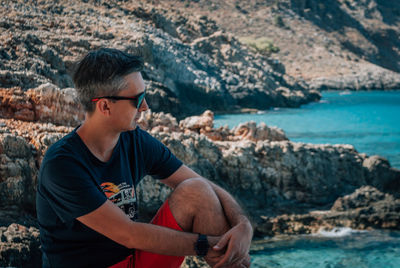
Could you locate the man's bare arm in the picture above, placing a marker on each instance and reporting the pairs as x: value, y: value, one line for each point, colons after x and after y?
x: 113, y: 223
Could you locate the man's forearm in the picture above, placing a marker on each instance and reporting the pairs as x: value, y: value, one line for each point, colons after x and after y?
x: 145, y: 236
x: 162, y: 240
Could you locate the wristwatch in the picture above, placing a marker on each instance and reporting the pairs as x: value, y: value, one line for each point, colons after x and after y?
x: 201, y: 246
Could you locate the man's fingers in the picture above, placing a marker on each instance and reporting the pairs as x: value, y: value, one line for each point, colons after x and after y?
x: 222, y: 242
x: 241, y: 260
x: 247, y: 261
x: 226, y: 259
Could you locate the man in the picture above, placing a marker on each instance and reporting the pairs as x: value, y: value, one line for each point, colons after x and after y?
x: 86, y: 200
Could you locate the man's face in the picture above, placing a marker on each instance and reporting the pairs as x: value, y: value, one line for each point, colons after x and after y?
x: 124, y: 113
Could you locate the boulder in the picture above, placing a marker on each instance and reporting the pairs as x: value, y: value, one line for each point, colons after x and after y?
x: 366, y: 208
x: 46, y: 103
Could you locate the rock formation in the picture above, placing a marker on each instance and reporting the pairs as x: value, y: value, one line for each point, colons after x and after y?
x: 46, y: 103
x: 191, y: 65
x: 343, y: 44
x: 366, y: 208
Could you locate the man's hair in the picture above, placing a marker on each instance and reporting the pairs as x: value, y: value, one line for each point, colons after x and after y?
x: 101, y: 73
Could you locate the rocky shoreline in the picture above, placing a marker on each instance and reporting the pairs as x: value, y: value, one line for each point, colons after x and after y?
x: 286, y: 187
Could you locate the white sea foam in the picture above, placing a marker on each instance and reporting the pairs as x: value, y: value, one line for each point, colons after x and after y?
x: 346, y: 92
x: 337, y: 232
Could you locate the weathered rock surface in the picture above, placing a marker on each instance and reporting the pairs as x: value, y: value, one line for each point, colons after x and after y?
x: 19, y: 246
x: 340, y: 44
x: 278, y: 176
x: 366, y: 208
x: 22, y: 147
x: 190, y: 64
x: 204, y: 124
x: 367, y: 78
x: 46, y: 103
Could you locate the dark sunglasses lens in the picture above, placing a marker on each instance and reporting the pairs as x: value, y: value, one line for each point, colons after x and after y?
x: 140, y: 101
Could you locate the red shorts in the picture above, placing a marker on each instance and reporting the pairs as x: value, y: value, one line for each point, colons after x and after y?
x: 146, y: 259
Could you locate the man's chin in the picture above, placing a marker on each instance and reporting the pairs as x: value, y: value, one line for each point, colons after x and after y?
x: 134, y: 126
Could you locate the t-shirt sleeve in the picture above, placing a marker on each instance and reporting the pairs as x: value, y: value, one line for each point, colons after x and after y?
x: 160, y: 162
x: 69, y: 189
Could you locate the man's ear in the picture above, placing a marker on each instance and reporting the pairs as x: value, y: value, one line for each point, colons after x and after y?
x: 103, y: 106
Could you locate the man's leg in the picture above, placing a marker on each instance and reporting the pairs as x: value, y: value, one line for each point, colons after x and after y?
x: 197, y: 209
x: 192, y: 207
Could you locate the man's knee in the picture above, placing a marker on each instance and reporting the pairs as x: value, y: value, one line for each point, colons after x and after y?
x: 194, y: 185
x: 193, y: 191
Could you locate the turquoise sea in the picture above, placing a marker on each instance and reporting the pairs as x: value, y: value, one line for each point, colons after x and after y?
x: 336, y: 249
x: 369, y: 120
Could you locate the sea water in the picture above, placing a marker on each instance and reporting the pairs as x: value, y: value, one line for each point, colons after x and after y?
x: 368, y: 120
x: 335, y: 249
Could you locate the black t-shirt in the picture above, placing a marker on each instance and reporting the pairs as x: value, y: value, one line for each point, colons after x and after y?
x: 73, y: 182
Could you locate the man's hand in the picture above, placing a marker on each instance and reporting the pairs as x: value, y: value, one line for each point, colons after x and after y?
x: 237, y: 244
x: 213, y: 257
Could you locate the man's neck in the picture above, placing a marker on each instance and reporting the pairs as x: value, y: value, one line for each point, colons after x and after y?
x: 100, y: 141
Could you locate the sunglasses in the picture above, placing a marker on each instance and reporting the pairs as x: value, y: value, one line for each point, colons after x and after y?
x: 137, y: 100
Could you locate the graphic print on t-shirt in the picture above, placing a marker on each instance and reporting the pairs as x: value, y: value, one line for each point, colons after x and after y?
x: 122, y: 195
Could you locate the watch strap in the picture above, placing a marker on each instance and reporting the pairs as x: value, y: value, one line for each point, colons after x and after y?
x: 201, y: 246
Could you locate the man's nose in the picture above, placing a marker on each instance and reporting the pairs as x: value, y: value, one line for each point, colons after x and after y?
x: 144, y: 106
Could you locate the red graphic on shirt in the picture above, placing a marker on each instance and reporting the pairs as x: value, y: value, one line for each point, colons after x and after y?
x: 122, y: 195
x: 109, y: 189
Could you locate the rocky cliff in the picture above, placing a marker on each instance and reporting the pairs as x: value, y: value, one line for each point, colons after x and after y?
x: 340, y: 44
x: 191, y: 64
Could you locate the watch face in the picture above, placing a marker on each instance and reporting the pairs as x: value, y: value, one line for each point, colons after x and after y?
x: 202, y: 246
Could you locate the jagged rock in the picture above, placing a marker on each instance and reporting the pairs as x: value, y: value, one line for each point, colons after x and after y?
x: 373, y: 78
x: 251, y: 131
x: 333, y: 45
x: 19, y: 246
x: 206, y: 120
x: 158, y: 122
x: 17, y: 171
x: 22, y: 147
x: 55, y: 105
x: 14, y: 103
x: 374, y: 166
x: 275, y: 176
x: 363, y: 197
x: 203, y: 124
x: 366, y: 208
x: 191, y: 65
x: 46, y: 103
